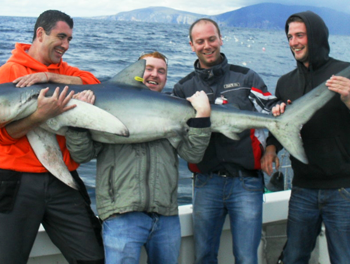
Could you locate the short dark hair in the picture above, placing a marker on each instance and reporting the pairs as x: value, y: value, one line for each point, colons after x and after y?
x: 291, y: 19
x: 294, y: 19
x: 48, y: 19
x: 204, y: 19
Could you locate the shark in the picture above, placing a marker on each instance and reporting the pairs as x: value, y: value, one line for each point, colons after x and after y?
x: 126, y: 111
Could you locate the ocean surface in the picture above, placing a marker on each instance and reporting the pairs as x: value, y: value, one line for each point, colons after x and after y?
x: 106, y: 47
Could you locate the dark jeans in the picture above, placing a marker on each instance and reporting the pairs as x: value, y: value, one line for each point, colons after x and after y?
x: 64, y: 212
x: 215, y: 197
x: 308, y: 208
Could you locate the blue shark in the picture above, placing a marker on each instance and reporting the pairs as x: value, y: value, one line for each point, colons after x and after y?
x: 125, y: 111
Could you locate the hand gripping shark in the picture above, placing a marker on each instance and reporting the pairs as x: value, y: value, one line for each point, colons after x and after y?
x: 15, y: 106
x: 137, y: 114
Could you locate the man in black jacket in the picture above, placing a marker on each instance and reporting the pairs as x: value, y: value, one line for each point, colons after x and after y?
x: 321, y: 189
x: 228, y: 180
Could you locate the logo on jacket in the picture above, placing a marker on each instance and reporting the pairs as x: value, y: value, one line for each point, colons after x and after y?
x: 232, y: 85
x: 221, y: 100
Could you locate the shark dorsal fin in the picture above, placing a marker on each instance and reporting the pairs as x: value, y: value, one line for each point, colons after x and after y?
x: 131, y: 76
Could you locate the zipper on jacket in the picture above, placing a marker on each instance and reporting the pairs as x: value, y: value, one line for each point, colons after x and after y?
x: 147, y: 187
x: 110, y: 184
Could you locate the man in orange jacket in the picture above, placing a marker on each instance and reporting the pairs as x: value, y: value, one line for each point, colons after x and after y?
x: 29, y: 194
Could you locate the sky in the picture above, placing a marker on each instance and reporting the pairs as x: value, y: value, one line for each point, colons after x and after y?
x: 89, y: 8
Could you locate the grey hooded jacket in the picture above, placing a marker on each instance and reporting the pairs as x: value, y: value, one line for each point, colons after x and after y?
x: 138, y: 177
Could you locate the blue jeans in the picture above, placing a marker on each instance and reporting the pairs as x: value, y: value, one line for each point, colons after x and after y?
x: 308, y: 208
x: 239, y: 197
x: 125, y: 234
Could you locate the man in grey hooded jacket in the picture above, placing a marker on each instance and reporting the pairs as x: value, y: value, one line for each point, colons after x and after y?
x: 136, y: 184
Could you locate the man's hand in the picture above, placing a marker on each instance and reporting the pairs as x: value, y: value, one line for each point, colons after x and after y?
x: 30, y: 79
x: 268, y: 158
x: 45, y: 77
x: 48, y: 107
x: 340, y: 85
x: 200, y: 103
x: 85, y: 96
x: 55, y: 105
x: 279, y: 109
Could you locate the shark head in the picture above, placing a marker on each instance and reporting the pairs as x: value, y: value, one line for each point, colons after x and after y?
x: 15, y: 106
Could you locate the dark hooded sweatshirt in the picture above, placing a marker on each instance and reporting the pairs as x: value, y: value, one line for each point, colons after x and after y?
x: 326, y: 136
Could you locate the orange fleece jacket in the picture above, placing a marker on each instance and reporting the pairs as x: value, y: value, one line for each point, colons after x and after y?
x: 17, y: 154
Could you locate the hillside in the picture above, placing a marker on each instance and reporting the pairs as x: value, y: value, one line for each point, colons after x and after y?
x: 273, y: 16
x: 264, y: 16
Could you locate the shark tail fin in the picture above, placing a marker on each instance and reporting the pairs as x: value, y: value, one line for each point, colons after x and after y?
x: 287, y: 131
x: 298, y: 113
x: 48, y: 152
x: 131, y: 75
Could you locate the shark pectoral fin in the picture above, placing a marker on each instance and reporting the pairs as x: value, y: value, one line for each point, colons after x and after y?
x: 230, y: 135
x: 47, y: 150
x: 88, y: 116
x: 227, y: 131
x: 175, y: 141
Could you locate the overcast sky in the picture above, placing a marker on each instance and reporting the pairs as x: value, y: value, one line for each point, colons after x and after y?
x: 88, y: 8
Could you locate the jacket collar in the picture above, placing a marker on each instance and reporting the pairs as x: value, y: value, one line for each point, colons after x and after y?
x: 217, y: 70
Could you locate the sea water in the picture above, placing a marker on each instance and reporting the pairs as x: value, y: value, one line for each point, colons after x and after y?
x: 105, y: 47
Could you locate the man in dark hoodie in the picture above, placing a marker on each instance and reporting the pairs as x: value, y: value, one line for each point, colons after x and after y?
x: 321, y: 189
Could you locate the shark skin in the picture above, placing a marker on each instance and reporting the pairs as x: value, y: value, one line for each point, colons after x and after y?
x: 146, y: 115
x: 49, y: 153
x: 43, y: 139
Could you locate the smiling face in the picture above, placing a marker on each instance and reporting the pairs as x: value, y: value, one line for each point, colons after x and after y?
x: 54, y: 45
x: 298, y: 42
x: 206, y: 42
x: 155, y: 75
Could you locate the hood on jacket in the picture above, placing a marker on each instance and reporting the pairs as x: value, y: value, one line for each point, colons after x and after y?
x: 20, y: 56
x: 317, y: 35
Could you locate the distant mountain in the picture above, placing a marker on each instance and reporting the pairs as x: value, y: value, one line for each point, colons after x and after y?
x: 156, y: 14
x: 274, y: 16
x: 264, y: 16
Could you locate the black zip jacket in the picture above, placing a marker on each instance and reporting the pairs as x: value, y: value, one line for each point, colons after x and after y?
x: 243, y: 88
x: 326, y: 136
